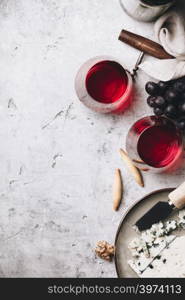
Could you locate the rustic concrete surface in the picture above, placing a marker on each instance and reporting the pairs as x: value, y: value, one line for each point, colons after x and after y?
x: 57, y: 158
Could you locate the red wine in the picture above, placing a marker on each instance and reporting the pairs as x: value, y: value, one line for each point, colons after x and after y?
x: 106, y: 82
x: 158, y: 146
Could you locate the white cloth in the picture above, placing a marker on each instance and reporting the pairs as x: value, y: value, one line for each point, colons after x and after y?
x: 170, y: 33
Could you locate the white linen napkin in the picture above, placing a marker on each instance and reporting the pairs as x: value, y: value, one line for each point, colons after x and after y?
x: 170, y: 33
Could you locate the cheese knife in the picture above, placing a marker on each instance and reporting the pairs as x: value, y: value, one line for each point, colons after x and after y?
x: 160, y: 211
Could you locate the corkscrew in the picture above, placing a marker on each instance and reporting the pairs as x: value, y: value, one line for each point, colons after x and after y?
x: 145, y: 45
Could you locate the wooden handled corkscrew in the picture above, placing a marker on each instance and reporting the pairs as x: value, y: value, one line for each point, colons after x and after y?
x: 143, y: 44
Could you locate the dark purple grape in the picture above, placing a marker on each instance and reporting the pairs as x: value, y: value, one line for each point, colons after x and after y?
x: 162, y: 86
x: 182, y: 108
x: 171, y: 82
x: 181, y: 78
x: 160, y: 102
x: 179, y: 86
x: 158, y: 111
x: 171, y: 96
x: 181, y: 124
x: 183, y: 96
x: 152, y: 88
x: 151, y: 101
x: 170, y: 111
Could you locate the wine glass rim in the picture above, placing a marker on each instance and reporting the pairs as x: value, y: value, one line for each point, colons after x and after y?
x: 179, y: 133
x: 88, y: 100
x: 157, y: 118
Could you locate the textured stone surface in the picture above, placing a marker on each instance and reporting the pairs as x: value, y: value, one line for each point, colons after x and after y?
x: 58, y: 158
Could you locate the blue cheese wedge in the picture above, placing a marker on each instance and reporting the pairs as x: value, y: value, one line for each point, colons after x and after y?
x: 170, y: 263
x: 142, y: 261
x: 146, y: 249
x: 150, y: 238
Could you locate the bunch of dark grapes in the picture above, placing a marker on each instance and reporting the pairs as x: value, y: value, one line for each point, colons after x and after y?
x: 168, y: 99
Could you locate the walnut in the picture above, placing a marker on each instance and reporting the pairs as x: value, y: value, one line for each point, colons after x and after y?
x: 105, y: 250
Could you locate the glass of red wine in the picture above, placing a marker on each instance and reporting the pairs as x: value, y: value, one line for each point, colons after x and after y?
x: 155, y: 143
x: 104, y: 85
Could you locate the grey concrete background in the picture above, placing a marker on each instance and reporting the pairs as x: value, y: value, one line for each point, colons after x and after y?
x: 57, y: 158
